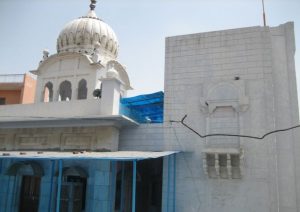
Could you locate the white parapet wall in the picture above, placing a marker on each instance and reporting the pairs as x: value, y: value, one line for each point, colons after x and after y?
x: 66, y: 109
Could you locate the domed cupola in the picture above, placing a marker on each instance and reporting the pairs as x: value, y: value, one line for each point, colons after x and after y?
x: 84, y: 34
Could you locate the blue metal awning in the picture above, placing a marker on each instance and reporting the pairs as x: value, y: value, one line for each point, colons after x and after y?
x: 115, y: 156
x: 146, y: 108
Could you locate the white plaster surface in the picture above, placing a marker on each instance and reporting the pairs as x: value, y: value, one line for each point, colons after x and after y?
x: 146, y: 137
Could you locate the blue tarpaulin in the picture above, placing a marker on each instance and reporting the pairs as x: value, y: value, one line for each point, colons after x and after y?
x: 146, y: 108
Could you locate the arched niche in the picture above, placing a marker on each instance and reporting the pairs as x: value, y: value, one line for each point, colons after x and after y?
x: 223, y: 102
x: 223, y: 95
x: 30, y: 173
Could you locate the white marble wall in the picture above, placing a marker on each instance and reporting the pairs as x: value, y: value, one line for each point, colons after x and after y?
x: 263, y: 60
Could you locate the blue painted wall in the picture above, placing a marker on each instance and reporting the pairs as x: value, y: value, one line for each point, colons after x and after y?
x: 99, y: 191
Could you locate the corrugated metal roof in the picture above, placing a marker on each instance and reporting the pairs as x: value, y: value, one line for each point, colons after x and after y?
x: 117, y: 156
x: 146, y: 108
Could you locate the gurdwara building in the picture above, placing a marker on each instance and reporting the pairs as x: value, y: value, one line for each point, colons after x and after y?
x: 199, y: 146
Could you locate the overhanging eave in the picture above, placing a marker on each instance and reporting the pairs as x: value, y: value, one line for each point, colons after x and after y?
x: 45, y: 122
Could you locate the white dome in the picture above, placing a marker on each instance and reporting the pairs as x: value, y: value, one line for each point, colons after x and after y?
x: 81, y: 35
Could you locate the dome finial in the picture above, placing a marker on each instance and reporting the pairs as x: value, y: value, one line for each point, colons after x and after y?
x: 93, y: 4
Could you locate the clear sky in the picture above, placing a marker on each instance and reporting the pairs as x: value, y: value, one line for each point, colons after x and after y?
x: 29, y: 26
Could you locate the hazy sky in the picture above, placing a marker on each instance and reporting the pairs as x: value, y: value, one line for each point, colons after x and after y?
x: 29, y: 26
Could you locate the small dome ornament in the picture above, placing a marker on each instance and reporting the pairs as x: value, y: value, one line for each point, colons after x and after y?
x: 45, y: 54
x: 93, y: 4
x: 112, y: 72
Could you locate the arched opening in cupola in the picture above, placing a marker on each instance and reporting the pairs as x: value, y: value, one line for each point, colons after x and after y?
x: 48, y: 92
x: 65, y: 91
x: 82, y: 89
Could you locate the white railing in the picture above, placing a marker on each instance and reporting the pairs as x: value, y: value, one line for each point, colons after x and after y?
x: 10, y: 78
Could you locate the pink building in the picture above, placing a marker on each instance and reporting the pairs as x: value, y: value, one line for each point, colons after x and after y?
x: 17, y: 89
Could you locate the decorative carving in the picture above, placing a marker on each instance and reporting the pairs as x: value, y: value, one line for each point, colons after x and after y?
x: 97, y: 53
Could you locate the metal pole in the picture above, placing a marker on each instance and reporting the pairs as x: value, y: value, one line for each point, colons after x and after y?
x: 59, y: 185
x: 264, y: 14
x: 13, y: 194
x: 133, y: 186
x: 122, y: 187
x: 169, y: 181
x: 174, y: 183
x: 7, y: 193
x: 113, y: 185
x: 51, y: 185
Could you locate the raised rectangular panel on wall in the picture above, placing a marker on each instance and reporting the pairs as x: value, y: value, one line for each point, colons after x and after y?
x: 29, y: 142
x: 78, y: 141
x: 2, y: 142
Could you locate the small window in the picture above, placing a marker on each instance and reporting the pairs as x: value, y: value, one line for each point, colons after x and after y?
x: 2, y: 101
